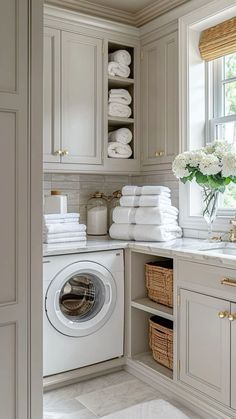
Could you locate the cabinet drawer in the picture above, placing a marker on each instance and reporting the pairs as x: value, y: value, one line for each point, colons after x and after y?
x: 207, y: 276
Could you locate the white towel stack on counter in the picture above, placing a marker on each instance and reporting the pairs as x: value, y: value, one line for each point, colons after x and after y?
x: 118, y: 103
x: 145, y: 214
x: 63, y: 228
x: 118, y: 143
x: 119, y: 62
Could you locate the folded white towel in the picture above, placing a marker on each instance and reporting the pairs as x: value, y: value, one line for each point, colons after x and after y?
x: 66, y: 240
x: 145, y: 201
x: 120, y: 56
x: 118, y: 109
x: 144, y: 215
x: 64, y: 235
x: 63, y: 228
x: 65, y: 221
x: 61, y: 218
x: 120, y: 96
x: 119, y: 151
x: 151, y: 233
x: 116, y: 69
x: 121, y: 135
x: 145, y: 190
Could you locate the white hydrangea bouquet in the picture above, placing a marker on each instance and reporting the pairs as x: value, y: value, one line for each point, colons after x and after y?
x: 213, y: 167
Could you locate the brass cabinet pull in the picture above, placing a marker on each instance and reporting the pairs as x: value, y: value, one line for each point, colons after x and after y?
x: 58, y: 152
x: 65, y: 152
x: 231, y: 317
x: 159, y: 153
x: 223, y: 314
x: 229, y: 282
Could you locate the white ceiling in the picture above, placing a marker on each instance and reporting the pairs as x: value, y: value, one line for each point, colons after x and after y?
x: 125, y: 5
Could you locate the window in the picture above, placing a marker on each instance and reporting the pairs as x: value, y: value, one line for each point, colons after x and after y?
x: 222, y: 111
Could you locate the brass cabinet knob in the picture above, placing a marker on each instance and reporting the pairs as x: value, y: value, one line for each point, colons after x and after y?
x: 58, y: 152
x: 65, y: 152
x: 223, y: 314
x: 159, y: 153
x: 232, y: 317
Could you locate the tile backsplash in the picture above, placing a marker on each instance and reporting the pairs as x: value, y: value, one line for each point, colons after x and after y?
x: 79, y: 187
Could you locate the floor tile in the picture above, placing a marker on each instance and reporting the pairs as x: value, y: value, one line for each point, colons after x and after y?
x: 117, y: 397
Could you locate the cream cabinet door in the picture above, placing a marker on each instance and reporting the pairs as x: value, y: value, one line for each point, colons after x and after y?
x: 233, y: 358
x: 82, y: 81
x: 51, y: 95
x: 159, y: 76
x: 204, y: 345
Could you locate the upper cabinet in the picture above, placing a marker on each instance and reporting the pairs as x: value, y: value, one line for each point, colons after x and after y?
x: 159, y: 104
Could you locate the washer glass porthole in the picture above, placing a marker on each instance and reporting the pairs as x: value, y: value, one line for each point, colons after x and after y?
x: 82, y: 297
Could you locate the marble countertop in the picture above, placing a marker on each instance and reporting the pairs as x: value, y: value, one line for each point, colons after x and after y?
x: 195, y: 249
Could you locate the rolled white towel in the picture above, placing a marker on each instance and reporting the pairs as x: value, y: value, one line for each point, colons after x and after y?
x: 143, y: 215
x: 121, y: 135
x: 120, y: 56
x: 116, y: 69
x: 145, y: 201
x: 151, y: 233
x: 120, y: 96
x: 63, y: 228
x: 118, y: 150
x: 145, y: 190
x: 118, y: 109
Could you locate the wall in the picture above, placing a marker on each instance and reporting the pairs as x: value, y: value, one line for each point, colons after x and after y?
x: 79, y: 187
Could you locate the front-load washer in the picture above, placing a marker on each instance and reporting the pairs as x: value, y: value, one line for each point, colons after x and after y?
x: 83, y: 309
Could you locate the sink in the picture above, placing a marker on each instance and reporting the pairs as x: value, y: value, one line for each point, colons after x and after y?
x: 222, y: 250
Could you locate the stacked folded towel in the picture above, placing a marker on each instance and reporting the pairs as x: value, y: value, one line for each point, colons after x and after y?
x: 145, y: 214
x: 118, y: 103
x: 118, y: 143
x: 61, y: 228
x: 119, y: 62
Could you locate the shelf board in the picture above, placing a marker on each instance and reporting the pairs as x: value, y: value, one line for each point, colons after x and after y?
x: 149, y: 306
x: 147, y: 360
x: 116, y: 120
x: 117, y: 81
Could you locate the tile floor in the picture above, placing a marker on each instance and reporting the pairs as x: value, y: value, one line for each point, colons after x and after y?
x: 101, y: 396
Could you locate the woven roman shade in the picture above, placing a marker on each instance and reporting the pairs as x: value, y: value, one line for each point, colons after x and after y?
x: 219, y: 40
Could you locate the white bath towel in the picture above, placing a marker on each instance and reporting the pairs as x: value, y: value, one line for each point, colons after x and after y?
x: 121, y: 135
x: 66, y: 240
x: 118, y: 109
x: 145, y: 190
x: 150, y: 233
x: 119, y: 96
x: 116, y: 69
x: 145, y: 201
x: 120, y: 56
x: 63, y: 228
x: 119, y: 151
x: 61, y: 218
x: 65, y: 235
x: 144, y: 215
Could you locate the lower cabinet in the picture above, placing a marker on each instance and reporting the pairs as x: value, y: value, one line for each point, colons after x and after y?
x: 233, y: 355
x: 204, y: 345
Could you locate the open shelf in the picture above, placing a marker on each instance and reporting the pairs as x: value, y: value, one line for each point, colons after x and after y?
x: 116, y: 81
x: 146, y: 359
x: 151, y: 307
x: 117, y: 121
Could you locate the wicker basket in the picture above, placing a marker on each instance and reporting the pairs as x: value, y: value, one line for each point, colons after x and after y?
x: 159, y: 282
x: 161, y: 340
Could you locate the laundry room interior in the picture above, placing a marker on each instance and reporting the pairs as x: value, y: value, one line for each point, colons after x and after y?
x: 118, y: 185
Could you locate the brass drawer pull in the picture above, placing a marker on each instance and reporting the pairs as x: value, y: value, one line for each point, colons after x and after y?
x: 231, y: 317
x: 223, y: 314
x: 229, y: 282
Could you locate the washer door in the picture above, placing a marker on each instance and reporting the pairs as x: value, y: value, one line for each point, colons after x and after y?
x: 80, y: 299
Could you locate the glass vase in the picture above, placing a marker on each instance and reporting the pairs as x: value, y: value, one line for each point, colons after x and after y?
x: 210, y: 206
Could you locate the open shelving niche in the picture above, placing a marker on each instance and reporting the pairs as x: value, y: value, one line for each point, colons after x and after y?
x: 129, y: 83
x: 141, y: 308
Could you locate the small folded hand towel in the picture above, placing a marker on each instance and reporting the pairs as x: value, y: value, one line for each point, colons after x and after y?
x: 81, y: 234
x: 151, y: 233
x: 65, y: 240
x: 116, y: 69
x: 118, y: 109
x: 118, y: 150
x: 120, y: 56
x: 142, y: 215
x: 63, y: 228
x: 145, y: 190
x: 145, y: 201
x: 61, y: 218
x: 121, y: 135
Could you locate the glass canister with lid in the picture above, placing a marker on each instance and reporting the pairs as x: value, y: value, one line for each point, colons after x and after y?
x: 114, y: 202
x: 97, y: 211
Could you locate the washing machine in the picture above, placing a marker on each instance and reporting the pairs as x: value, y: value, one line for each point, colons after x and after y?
x: 83, y: 309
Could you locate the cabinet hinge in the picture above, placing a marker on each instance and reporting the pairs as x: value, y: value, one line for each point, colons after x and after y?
x: 141, y: 54
x: 178, y: 300
x: 178, y: 367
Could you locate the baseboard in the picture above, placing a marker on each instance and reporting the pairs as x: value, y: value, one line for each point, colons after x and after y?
x: 208, y: 408
x: 71, y: 377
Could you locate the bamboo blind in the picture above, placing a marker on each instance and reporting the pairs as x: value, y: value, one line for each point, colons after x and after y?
x: 219, y: 40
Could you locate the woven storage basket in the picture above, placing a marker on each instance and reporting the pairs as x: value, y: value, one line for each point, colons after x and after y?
x: 161, y: 340
x: 159, y: 282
